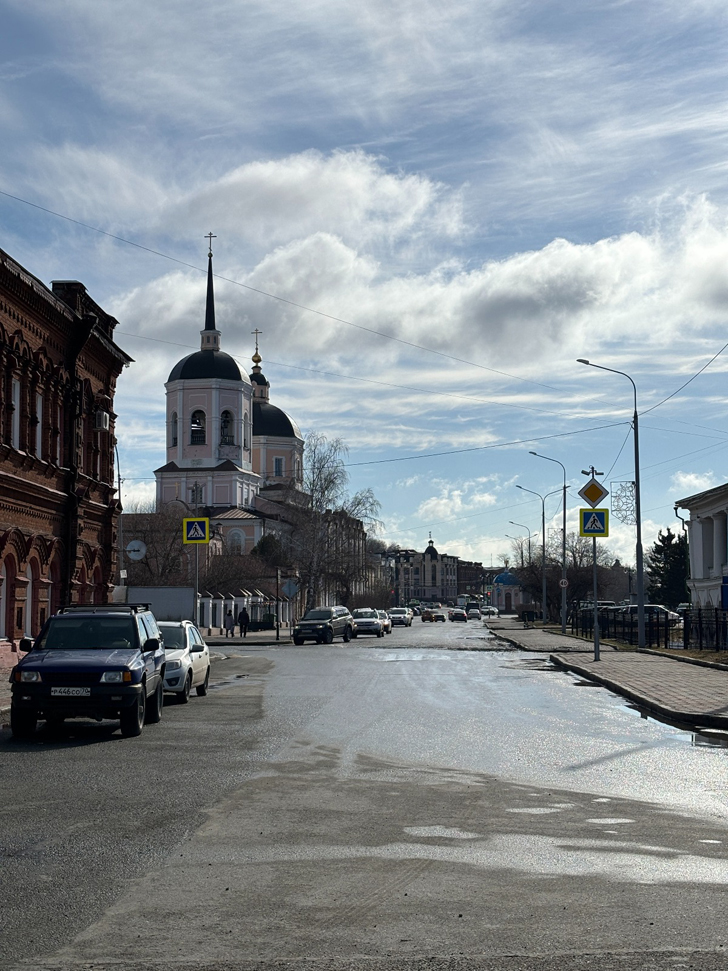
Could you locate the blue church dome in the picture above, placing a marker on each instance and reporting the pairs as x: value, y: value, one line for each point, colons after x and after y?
x: 507, y: 579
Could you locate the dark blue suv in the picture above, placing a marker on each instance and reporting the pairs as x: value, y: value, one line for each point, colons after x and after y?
x: 104, y: 661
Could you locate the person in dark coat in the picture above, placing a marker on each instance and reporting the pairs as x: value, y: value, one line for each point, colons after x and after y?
x: 229, y: 624
x: 244, y: 621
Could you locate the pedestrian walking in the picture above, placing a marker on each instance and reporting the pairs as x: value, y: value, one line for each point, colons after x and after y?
x: 243, y: 622
x: 229, y: 624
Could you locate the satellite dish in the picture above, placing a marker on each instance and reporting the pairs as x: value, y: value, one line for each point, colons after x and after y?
x: 136, y: 550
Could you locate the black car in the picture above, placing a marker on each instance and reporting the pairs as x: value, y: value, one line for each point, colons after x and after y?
x: 96, y: 662
x: 323, y: 624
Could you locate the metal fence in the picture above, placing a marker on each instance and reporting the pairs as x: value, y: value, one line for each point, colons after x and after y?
x: 706, y: 629
x: 619, y: 625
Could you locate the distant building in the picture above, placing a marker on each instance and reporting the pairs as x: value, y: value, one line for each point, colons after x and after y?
x: 425, y: 576
x: 59, y: 509
x: 507, y: 593
x: 707, y: 543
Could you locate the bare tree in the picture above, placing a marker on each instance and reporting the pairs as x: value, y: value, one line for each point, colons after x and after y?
x: 328, y: 536
x: 165, y: 562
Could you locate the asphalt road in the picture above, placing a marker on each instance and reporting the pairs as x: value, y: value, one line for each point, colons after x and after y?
x: 384, y: 805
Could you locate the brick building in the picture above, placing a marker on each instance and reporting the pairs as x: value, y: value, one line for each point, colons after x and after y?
x: 58, y: 506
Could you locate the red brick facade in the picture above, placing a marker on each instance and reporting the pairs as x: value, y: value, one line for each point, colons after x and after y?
x: 58, y: 504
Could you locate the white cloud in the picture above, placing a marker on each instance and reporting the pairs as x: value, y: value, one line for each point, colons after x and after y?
x: 690, y: 483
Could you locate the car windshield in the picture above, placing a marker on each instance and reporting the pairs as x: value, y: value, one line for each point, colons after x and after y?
x: 398, y: 610
x: 318, y: 615
x: 174, y: 637
x: 84, y: 633
x: 363, y: 612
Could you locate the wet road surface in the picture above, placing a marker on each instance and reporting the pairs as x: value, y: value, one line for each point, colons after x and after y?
x: 391, y: 804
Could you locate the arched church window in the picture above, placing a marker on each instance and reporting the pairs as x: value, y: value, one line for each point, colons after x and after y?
x: 236, y: 542
x: 173, y: 429
x: 197, y: 428
x: 227, y: 428
x: 246, y: 431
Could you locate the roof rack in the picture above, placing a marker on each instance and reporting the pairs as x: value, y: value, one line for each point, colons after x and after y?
x: 104, y: 608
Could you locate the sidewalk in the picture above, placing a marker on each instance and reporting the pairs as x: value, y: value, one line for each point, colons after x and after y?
x: 689, y: 694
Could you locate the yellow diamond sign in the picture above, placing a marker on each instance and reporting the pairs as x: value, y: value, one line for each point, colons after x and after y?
x: 593, y: 492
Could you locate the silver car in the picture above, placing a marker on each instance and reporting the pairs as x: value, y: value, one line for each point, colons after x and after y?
x: 188, y: 659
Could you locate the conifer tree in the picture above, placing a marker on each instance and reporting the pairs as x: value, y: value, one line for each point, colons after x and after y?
x: 667, y: 567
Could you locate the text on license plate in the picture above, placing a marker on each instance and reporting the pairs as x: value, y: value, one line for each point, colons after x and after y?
x: 72, y: 692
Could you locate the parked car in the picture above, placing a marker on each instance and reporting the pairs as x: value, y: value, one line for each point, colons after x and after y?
x: 458, y: 614
x: 323, y: 624
x: 386, y: 621
x: 490, y: 612
x: 96, y: 662
x: 188, y: 659
x: 366, y: 621
x: 400, y: 616
x: 683, y: 609
x: 473, y: 614
x: 656, y: 612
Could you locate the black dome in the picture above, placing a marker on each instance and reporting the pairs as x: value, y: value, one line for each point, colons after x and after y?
x: 206, y: 364
x: 269, y: 420
x: 257, y: 378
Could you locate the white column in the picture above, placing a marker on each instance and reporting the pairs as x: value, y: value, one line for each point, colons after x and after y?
x: 707, y: 531
x: 719, y: 543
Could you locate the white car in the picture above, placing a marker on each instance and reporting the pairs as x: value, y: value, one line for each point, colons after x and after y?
x: 386, y: 621
x: 400, y: 615
x: 473, y: 614
x: 367, y: 621
x: 188, y: 659
x: 489, y: 611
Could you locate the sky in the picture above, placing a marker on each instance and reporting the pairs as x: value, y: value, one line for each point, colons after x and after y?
x: 429, y: 210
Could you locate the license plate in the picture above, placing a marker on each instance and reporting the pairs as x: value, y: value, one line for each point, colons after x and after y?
x: 72, y: 692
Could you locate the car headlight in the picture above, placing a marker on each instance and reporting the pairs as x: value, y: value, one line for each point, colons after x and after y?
x: 173, y: 665
x: 115, y: 677
x: 29, y: 676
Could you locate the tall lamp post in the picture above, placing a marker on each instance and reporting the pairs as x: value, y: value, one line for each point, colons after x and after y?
x: 637, y: 506
x: 543, y: 543
x: 529, y: 537
x: 563, y: 542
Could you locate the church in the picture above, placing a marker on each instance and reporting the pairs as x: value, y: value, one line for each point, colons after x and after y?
x: 231, y: 454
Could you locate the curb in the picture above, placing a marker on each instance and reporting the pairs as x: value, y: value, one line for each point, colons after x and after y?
x: 690, y: 718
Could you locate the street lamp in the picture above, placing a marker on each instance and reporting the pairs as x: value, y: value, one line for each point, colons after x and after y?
x: 529, y: 537
x: 543, y: 543
x: 563, y: 543
x: 637, y: 504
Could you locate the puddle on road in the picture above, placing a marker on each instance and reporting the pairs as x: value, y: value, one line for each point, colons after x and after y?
x: 698, y: 736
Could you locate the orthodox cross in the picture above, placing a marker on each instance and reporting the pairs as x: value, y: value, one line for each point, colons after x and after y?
x: 257, y: 333
x: 210, y: 237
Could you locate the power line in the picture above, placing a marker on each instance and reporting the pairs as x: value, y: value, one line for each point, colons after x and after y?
x: 274, y: 296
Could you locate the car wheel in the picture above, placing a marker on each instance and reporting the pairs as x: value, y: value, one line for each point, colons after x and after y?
x: 380, y: 633
x: 184, y: 696
x: 22, y: 723
x: 329, y: 637
x: 347, y: 635
x: 154, y: 710
x: 297, y: 640
x: 201, y: 689
x: 132, y: 718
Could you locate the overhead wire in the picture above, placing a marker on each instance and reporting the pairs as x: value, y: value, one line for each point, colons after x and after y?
x: 274, y: 296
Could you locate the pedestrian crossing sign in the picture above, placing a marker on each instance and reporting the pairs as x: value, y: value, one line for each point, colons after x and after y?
x: 196, y: 530
x: 594, y: 522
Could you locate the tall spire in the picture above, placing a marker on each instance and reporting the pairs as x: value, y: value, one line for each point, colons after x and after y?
x: 210, y: 308
x: 210, y: 336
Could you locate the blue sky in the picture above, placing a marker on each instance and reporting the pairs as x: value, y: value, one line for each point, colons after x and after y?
x: 471, y: 194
